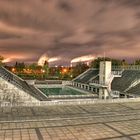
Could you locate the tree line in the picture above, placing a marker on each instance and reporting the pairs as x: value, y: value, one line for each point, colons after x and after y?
x: 44, y: 72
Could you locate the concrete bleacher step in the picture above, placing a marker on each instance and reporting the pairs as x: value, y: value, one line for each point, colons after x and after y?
x: 21, y: 84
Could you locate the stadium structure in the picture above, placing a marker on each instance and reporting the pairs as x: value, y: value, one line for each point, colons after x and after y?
x: 14, y: 89
x: 27, y: 113
x: 103, y: 83
x: 110, y: 82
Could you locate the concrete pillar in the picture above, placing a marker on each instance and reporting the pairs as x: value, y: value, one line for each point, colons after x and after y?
x: 105, y: 71
x: 101, y: 93
x: 104, y: 75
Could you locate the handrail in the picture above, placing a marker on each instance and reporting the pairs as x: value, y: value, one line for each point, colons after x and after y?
x: 128, y: 67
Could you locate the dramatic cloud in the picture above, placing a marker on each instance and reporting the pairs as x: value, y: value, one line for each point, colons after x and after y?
x: 69, y: 29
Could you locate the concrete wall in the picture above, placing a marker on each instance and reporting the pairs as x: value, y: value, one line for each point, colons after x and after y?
x: 10, y: 93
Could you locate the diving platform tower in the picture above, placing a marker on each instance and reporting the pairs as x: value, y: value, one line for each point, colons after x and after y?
x: 105, y: 79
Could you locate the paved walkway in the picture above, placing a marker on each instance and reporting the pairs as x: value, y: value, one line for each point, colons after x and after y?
x: 116, y: 121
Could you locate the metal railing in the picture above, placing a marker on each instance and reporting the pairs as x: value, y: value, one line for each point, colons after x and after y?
x: 99, y: 83
x: 117, y: 73
x: 128, y: 67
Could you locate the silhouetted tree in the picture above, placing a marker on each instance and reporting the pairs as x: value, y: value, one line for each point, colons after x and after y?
x: 96, y: 62
x: 19, y: 66
x: 46, y: 68
x: 137, y: 62
x: 78, y: 69
x: 115, y: 62
x: 1, y: 60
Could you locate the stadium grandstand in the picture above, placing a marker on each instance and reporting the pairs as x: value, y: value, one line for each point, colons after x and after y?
x: 15, y: 89
x: 103, y: 83
x: 108, y: 82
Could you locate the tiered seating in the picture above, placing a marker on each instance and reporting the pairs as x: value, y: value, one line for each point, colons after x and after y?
x: 135, y: 90
x: 95, y: 79
x: 85, y: 78
x: 21, y: 84
x: 122, y: 83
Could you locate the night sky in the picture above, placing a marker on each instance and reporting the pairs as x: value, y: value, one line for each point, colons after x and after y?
x: 68, y: 29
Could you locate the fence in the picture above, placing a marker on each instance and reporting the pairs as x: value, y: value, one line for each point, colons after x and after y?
x: 70, y: 102
x: 129, y: 67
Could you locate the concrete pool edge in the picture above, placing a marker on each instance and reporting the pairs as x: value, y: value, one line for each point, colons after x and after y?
x: 80, y: 93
